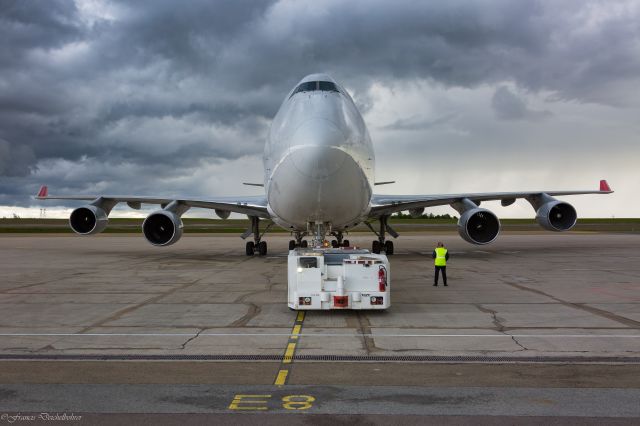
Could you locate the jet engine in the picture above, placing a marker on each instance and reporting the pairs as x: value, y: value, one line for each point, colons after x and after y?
x: 478, y: 226
x: 556, y: 216
x: 222, y: 214
x: 162, y: 228
x: 88, y: 220
x: 416, y: 213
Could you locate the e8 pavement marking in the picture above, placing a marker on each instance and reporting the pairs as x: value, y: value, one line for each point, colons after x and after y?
x: 285, y: 365
x: 264, y: 402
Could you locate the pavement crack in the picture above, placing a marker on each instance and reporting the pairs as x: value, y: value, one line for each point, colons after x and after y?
x: 595, y: 311
x: 496, y: 321
x: 129, y: 308
x: 519, y: 344
x: 183, y: 346
x: 364, y: 326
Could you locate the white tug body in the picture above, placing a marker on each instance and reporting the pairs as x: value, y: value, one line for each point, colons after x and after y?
x: 338, y: 278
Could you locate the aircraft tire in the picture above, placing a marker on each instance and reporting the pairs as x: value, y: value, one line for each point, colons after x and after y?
x: 334, y: 243
x: 388, y: 248
x: 375, y: 247
x: 262, y: 248
x: 304, y: 244
x: 292, y: 244
x: 345, y: 243
x: 250, y: 248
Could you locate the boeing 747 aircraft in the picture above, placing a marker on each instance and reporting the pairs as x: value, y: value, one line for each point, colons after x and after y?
x: 319, y: 169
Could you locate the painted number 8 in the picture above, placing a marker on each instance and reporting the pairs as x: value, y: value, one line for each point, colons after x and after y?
x: 297, y: 402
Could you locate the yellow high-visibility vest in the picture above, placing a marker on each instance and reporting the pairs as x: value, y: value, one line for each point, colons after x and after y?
x: 441, y: 256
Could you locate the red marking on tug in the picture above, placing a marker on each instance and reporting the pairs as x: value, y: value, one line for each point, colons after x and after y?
x: 340, y: 301
x: 382, y: 278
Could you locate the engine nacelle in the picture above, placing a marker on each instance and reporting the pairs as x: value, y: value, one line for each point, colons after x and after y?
x: 416, y: 213
x: 478, y: 226
x: 223, y: 214
x: 88, y: 220
x: 162, y: 228
x: 556, y: 216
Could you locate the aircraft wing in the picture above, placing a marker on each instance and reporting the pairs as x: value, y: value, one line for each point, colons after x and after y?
x: 383, y: 205
x: 249, y: 205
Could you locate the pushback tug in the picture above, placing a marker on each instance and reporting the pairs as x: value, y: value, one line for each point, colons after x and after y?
x: 337, y: 278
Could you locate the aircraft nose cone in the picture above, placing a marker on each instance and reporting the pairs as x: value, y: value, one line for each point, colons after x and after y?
x: 315, y: 149
x: 318, y: 162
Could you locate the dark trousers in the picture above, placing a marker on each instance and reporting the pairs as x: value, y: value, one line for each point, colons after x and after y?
x: 444, y: 274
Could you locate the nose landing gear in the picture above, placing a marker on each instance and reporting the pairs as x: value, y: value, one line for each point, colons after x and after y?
x: 298, y: 242
x: 382, y: 244
x: 339, y: 241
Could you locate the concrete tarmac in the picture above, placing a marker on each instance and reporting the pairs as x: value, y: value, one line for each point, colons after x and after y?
x: 510, y: 309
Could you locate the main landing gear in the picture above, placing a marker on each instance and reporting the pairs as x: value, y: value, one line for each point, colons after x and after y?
x: 298, y: 242
x: 382, y: 244
x: 260, y: 247
x: 257, y: 245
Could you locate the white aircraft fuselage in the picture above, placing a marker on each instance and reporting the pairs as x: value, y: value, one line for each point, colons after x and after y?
x: 318, y: 159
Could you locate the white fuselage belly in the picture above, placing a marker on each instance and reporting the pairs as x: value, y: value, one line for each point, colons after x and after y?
x: 319, y: 162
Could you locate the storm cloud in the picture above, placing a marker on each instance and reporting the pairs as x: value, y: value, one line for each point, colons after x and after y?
x: 508, y: 106
x: 155, y: 96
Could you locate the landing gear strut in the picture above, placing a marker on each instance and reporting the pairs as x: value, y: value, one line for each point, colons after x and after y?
x: 257, y: 245
x: 319, y: 233
x: 382, y: 244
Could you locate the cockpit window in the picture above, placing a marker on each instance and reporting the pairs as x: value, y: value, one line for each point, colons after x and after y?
x: 307, y: 87
x: 327, y: 86
x: 310, y: 86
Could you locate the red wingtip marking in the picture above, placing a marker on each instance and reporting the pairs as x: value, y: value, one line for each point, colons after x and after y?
x: 604, y: 186
x: 43, y: 191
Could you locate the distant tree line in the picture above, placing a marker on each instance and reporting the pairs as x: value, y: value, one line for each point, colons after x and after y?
x: 402, y: 215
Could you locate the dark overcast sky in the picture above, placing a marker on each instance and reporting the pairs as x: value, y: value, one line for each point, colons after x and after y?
x: 166, y: 98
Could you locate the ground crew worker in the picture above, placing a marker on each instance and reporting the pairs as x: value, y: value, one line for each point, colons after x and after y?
x: 441, y: 255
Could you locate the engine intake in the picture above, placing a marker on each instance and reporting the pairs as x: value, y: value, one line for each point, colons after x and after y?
x: 556, y: 216
x: 416, y: 213
x: 88, y: 220
x: 223, y: 214
x: 478, y: 226
x: 162, y: 228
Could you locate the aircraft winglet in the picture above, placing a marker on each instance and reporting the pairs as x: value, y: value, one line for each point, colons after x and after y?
x: 44, y: 191
x: 604, y: 186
